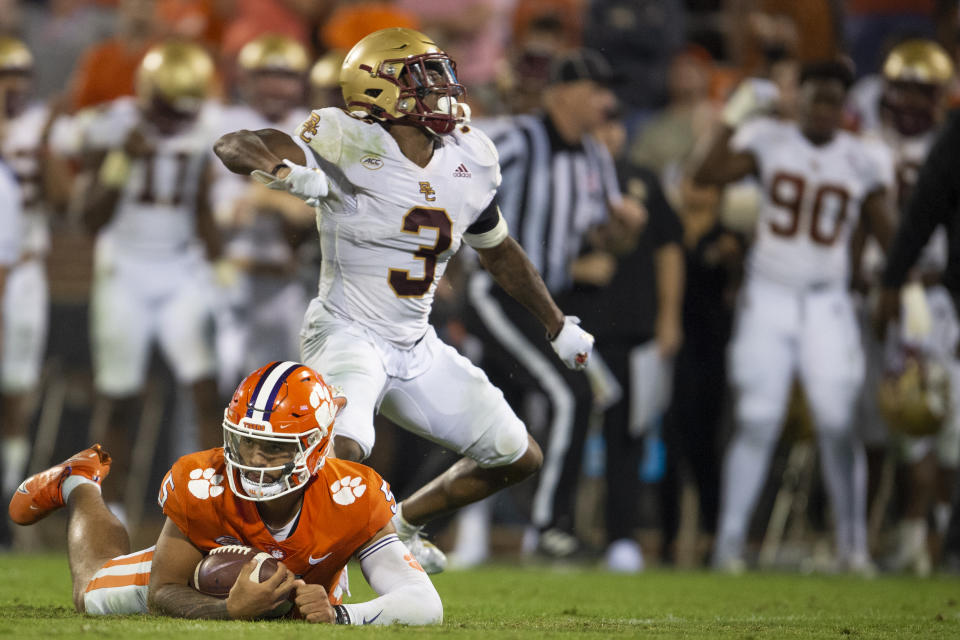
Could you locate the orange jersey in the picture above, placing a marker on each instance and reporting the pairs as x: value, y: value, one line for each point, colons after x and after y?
x: 344, y: 506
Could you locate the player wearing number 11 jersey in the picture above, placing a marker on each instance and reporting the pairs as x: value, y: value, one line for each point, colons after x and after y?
x: 146, y: 167
x: 399, y: 181
x: 795, y: 315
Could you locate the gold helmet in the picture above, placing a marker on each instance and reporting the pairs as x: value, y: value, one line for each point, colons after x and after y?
x: 388, y: 74
x: 915, y: 401
x: 14, y: 56
x: 325, y: 73
x: 918, y: 60
x: 273, y: 52
x: 176, y: 72
x: 916, y: 73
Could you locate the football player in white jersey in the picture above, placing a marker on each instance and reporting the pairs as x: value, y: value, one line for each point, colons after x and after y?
x: 11, y: 221
x: 906, y: 113
x: 399, y: 181
x: 266, y: 296
x: 148, y: 168
x: 795, y: 314
x: 23, y: 146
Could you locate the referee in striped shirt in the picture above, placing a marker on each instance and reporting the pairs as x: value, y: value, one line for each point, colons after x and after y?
x: 559, y: 194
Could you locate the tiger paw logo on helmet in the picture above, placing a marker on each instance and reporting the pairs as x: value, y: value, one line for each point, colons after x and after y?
x: 205, y: 483
x: 346, y: 490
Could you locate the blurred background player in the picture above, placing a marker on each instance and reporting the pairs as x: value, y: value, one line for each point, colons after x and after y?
x: 44, y: 184
x: 148, y: 172
x: 11, y: 237
x: 282, y: 494
x: 795, y: 315
x: 325, y: 80
x: 905, y: 106
x: 263, y: 228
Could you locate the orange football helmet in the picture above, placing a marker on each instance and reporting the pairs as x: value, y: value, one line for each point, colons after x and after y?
x: 277, y: 430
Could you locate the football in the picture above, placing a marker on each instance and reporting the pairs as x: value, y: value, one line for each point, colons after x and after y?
x: 216, y: 573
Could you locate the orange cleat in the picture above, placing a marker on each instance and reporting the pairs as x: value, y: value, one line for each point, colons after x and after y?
x: 39, y: 495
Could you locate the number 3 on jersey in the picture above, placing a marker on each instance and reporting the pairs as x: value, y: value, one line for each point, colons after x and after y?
x: 416, y: 219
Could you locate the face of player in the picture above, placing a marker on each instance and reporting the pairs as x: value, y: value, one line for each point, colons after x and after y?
x: 275, y: 94
x: 167, y: 118
x: 820, y: 108
x: 260, y: 453
x: 435, y: 85
x: 912, y: 108
x: 589, y: 103
x: 15, y: 89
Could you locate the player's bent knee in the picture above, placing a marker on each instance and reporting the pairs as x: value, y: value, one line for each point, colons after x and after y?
x: 527, y: 464
x: 756, y: 412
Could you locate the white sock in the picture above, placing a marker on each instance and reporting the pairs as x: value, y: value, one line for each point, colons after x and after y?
x: 913, y: 534
x: 941, y: 517
x: 404, y: 528
x: 15, y: 453
x: 72, y: 482
x: 841, y: 457
x: 744, y: 470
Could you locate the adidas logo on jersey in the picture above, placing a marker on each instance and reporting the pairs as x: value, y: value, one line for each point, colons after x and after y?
x: 461, y: 172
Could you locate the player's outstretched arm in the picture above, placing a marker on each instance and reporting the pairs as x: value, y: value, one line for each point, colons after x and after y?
x: 170, y: 594
x: 722, y: 165
x: 511, y: 268
x: 406, y: 594
x: 265, y: 150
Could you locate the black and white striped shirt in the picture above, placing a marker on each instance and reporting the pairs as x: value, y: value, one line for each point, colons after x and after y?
x: 552, y: 192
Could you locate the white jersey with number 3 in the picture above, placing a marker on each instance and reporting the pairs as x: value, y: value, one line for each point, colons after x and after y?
x: 812, y: 200
x: 389, y: 226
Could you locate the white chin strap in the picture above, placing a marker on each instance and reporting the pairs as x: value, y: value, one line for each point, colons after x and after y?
x: 257, y: 490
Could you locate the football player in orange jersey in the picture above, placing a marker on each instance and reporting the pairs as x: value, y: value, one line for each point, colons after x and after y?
x: 272, y: 487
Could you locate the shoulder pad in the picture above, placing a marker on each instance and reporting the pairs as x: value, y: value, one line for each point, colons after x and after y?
x: 323, y: 132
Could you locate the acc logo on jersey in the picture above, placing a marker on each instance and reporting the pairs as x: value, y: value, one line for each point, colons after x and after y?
x: 309, y: 128
x: 346, y: 490
x: 205, y: 483
x: 371, y: 162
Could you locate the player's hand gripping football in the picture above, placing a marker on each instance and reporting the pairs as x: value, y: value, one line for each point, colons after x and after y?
x: 312, y: 602
x: 310, y: 185
x: 573, y: 344
x: 250, y: 599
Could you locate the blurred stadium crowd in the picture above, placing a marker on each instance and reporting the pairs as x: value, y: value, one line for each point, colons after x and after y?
x: 217, y: 271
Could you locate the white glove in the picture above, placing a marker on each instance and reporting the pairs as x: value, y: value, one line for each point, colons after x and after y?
x: 310, y: 185
x: 573, y: 344
x: 753, y: 97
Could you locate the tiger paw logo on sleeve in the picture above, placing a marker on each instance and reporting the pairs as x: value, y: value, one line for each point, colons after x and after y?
x: 205, y: 483
x: 346, y: 490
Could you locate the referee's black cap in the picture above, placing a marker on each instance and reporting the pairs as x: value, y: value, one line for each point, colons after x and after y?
x: 583, y: 64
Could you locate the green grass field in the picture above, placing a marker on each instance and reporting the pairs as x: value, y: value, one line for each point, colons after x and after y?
x: 521, y: 602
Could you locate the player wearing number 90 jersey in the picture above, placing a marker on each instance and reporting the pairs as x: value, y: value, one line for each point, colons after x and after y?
x: 812, y: 196
x: 795, y: 316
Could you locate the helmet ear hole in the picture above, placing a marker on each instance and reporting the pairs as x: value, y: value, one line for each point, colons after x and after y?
x: 373, y: 93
